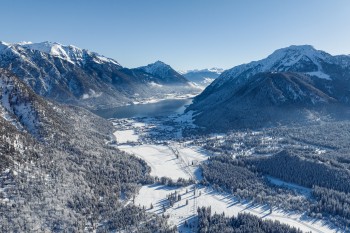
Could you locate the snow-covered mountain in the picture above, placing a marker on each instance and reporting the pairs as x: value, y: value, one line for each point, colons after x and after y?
x: 292, y: 78
x: 302, y: 58
x: 57, y: 156
x: 77, y: 76
x: 164, y: 73
x: 21, y: 107
x: 70, y: 53
x: 202, y: 77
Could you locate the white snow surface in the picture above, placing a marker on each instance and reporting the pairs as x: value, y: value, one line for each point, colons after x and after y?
x: 125, y: 136
x: 91, y: 94
x: 158, y: 67
x: 176, y: 159
x: 219, y: 203
x: 163, y: 161
x: 319, y: 74
x: 69, y: 53
x: 153, y: 84
x: 6, y: 111
x: 305, y: 191
x: 281, y: 60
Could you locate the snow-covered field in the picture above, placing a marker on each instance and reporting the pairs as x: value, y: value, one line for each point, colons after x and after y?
x: 163, y: 160
x: 124, y: 136
x: 160, y: 158
x: 219, y: 202
x: 175, y: 160
x: 298, y: 188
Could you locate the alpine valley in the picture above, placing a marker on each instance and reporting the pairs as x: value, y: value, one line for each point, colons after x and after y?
x: 204, y: 77
x: 262, y: 147
x: 71, y: 75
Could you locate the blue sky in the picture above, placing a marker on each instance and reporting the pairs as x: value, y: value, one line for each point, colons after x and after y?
x: 186, y: 34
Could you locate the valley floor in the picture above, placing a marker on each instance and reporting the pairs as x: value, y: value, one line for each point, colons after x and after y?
x: 175, y: 159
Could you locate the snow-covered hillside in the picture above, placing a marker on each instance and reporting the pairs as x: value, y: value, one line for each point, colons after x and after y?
x: 53, y: 159
x: 275, y: 89
x: 304, y: 58
x: 77, y: 76
x: 70, y: 53
x: 20, y: 106
x: 164, y: 72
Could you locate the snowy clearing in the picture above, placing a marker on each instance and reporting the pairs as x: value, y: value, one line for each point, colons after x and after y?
x: 298, y: 188
x: 125, y: 136
x: 156, y: 195
x: 160, y: 158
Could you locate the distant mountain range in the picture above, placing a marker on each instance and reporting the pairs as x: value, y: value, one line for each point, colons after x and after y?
x: 204, y: 77
x: 293, y: 84
x: 77, y: 76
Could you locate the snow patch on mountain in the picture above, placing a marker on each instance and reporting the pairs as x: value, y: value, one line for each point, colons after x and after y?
x: 285, y: 59
x: 319, y: 74
x: 69, y: 53
x: 157, y: 68
x: 153, y: 84
x: 91, y: 94
x: 3, y: 46
x: 68, y: 74
x: 18, y: 113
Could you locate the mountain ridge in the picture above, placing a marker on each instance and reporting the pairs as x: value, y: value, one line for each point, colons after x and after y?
x: 319, y: 74
x: 76, y: 76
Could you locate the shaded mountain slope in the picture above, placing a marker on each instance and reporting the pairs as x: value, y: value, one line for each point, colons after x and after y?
x: 294, y: 84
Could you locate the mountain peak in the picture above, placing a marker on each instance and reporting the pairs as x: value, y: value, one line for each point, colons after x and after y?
x: 298, y: 58
x: 156, y: 68
x: 69, y: 53
x: 165, y: 72
x: 299, y: 79
x: 159, y: 64
x: 300, y: 47
x: 299, y: 50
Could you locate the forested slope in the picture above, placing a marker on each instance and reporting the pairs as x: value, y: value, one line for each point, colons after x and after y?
x: 58, y: 173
